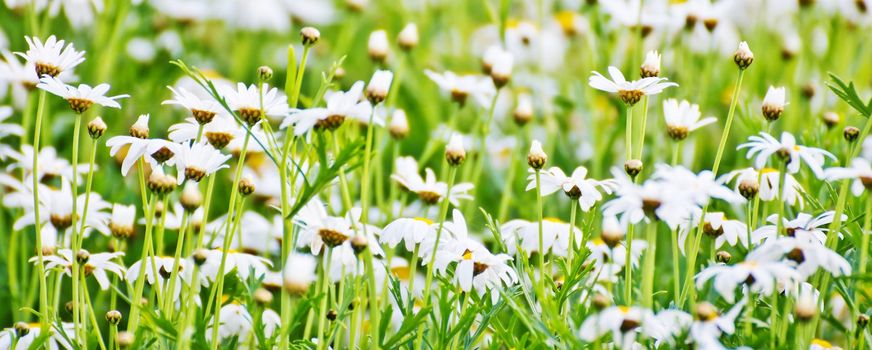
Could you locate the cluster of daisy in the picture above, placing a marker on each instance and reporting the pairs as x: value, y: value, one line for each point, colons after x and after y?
x: 426, y: 205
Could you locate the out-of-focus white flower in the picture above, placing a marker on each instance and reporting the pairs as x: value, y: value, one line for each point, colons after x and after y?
x: 460, y: 87
x: 860, y: 172
x: 764, y: 146
x: 555, y: 236
x: 198, y: 160
x: 630, y: 92
x: 428, y: 189
x: 587, y: 191
x: 683, y: 118
x: 340, y: 105
x: 762, y: 270
x: 768, y: 185
x: 299, y: 273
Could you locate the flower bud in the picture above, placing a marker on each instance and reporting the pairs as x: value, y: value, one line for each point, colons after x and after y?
x: 377, y: 90
x: 723, y: 257
x: 359, y: 243
x: 612, y: 233
x: 246, y: 186
x: 455, y: 153
x: 501, y: 68
x: 331, y: 315
x: 310, y: 35
x: 651, y: 66
x: 124, y: 339
x: 773, y: 103
x: 200, y: 256
x: 378, y: 46
x: 862, y: 321
x: 600, y: 301
x: 633, y: 167
x: 82, y: 256
x: 748, y: 188
x: 113, y: 316
x: 265, y: 73
x: 191, y: 198
x: 524, y: 110
x: 263, y: 296
x: 806, y: 307
x: 160, y: 183
x: 408, y: 37
x: 851, y: 133
x: 96, y: 128
x: 536, y: 158
x: 356, y: 5
x: 831, y: 119
x: 399, y: 126
x: 743, y: 56
x: 22, y: 329
x: 140, y: 128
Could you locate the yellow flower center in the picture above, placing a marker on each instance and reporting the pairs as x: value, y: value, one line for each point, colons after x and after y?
x: 822, y: 343
x: 425, y: 220
x: 553, y: 219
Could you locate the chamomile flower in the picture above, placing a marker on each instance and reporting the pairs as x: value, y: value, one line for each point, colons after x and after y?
x: 630, y: 92
x: 56, y: 208
x: 82, y: 97
x: 299, y: 273
x: 764, y: 146
x: 860, y: 172
x: 318, y: 229
x: 717, y: 226
x: 153, y: 151
x: 219, y: 132
x: 59, y: 339
x: 768, y: 186
x: 235, y: 322
x: 199, y: 160
x: 8, y: 129
x: 803, y: 224
x: 202, y: 109
x: 428, y: 189
x: 709, y: 325
x: 97, y: 265
x: 51, y: 57
x: 683, y: 118
x: 576, y: 186
x: 245, y: 265
x: 22, y: 76
x: 664, y: 200
x: 50, y: 164
x: 249, y: 101
x: 410, y: 231
x: 341, y: 105
x: 122, y: 221
x: 807, y: 255
x: 762, y: 271
x: 555, y: 236
x: 623, y: 323
x: 158, y: 269
x: 460, y: 87
x: 476, y: 267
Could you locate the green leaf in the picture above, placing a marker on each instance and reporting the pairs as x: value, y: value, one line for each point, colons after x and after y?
x: 848, y: 93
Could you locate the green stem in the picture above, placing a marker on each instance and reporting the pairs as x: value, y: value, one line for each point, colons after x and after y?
x: 135, y: 305
x: 46, y: 315
x: 628, y: 133
x: 325, y: 283
x: 648, y: 273
x: 443, y: 212
x: 730, y: 116
x: 541, y: 255
x: 642, y: 131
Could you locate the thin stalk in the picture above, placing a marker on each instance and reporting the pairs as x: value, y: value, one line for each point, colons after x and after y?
x: 676, y: 266
x: 78, y: 322
x: 648, y: 273
x: 46, y: 315
x: 135, y: 305
x: 644, y: 124
x: 628, y: 133
x: 443, y: 212
x: 541, y: 255
x: 572, y: 246
x: 325, y: 283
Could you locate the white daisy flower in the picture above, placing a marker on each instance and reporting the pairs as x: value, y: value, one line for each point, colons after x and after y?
x: 683, y: 118
x: 428, y: 189
x: 340, y: 106
x: 630, y: 92
x: 82, y: 97
x: 122, y: 221
x: 773, y: 103
x: 808, y: 255
x: 860, y: 171
x: 50, y: 164
x: 460, y: 87
x: 248, y: 102
x: 96, y: 265
x: 803, y: 225
x: 51, y: 57
x: 245, y: 265
x: 57, y: 340
x: 203, y: 109
x: 762, y: 271
x: 198, y: 160
x: 665, y: 200
x: 318, y: 229
x: 409, y: 231
x: 56, y: 207
x: 764, y: 146
x: 707, y: 329
x: 299, y: 273
x: 717, y: 226
x: 220, y: 132
x: 768, y: 186
x: 21, y: 75
x: 555, y: 236
x: 623, y: 323
x: 477, y: 267
x: 820, y: 344
x: 8, y: 129
x: 575, y: 186
x: 153, y: 151
x: 163, y: 266
x: 235, y: 321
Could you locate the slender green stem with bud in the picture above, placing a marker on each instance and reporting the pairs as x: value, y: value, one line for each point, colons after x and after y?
x: 46, y: 315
